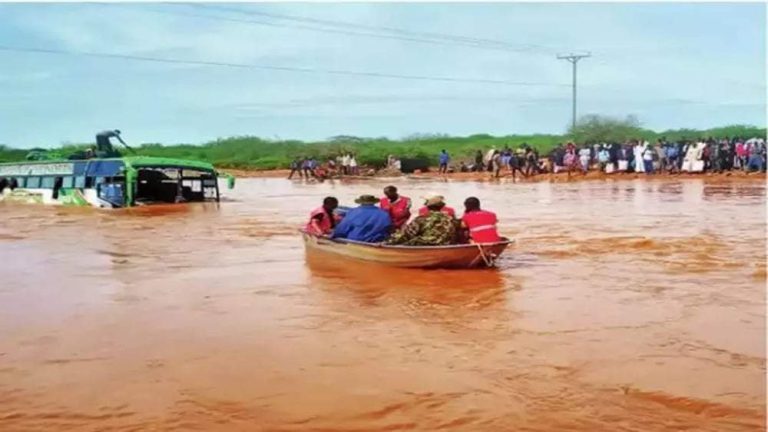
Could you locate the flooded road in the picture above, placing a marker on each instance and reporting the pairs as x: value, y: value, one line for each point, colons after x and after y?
x: 624, y: 306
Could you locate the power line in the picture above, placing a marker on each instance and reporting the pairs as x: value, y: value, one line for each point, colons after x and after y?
x: 430, y: 37
x: 272, y: 67
x: 399, y: 34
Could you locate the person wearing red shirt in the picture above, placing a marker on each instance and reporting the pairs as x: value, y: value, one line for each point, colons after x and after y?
x: 480, y: 224
x: 398, y: 207
x: 322, y: 220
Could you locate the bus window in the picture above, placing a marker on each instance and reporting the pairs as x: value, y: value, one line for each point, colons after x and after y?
x: 33, y: 183
x: 80, y: 182
x: 89, y: 182
x: 47, y: 182
x: 68, y: 182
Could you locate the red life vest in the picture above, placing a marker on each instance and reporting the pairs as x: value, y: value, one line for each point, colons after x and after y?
x: 482, y: 226
x: 447, y: 210
x: 324, y: 224
x: 399, y: 211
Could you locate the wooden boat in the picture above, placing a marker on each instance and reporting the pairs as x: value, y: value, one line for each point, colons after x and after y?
x: 452, y: 256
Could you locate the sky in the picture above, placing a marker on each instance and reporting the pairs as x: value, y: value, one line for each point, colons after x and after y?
x: 672, y: 65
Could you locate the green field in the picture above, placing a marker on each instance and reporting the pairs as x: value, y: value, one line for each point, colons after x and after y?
x: 256, y: 153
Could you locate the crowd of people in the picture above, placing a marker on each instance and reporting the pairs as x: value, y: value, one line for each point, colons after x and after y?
x: 703, y: 155
x: 524, y: 161
x: 310, y: 167
x: 638, y: 156
x: 388, y: 219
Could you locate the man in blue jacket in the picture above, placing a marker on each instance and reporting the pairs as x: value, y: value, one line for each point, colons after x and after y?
x: 366, y: 223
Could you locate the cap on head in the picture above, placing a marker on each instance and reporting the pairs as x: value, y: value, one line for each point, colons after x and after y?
x: 117, y: 131
x: 366, y: 199
x: 433, y: 199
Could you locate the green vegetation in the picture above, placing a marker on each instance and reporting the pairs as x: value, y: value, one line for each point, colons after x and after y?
x: 257, y: 153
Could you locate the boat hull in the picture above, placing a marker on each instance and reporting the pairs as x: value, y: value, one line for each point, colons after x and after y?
x: 454, y: 256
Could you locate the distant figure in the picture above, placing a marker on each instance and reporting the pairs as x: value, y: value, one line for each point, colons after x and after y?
x: 398, y: 207
x: 432, y: 229
x: 366, y: 223
x: 353, y: 165
x: 481, y: 224
x: 322, y: 221
x: 104, y: 146
x: 444, y: 159
x: 295, y: 168
x: 478, y: 161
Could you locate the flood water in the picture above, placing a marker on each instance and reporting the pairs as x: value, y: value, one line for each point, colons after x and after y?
x: 624, y: 306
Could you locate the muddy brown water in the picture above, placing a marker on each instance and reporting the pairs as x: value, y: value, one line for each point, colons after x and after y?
x: 624, y: 306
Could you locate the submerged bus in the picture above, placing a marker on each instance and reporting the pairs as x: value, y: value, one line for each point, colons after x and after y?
x: 109, y: 183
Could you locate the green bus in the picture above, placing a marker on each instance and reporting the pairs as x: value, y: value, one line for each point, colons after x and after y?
x: 111, y: 182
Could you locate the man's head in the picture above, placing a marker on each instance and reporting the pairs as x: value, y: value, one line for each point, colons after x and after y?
x: 434, y: 202
x: 366, y: 200
x: 443, y: 150
x: 330, y: 203
x: 117, y: 131
x: 471, y: 204
x: 391, y: 192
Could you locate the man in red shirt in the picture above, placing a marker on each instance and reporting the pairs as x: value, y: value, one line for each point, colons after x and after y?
x: 398, y: 207
x: 480, y: 224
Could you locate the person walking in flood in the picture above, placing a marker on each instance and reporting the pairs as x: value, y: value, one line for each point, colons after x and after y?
x: 366, y: 223
x: 295, y: 168
x: 322, y: 221
x: 480, y: 224
x: 444, y: 158
x: 398, y: 207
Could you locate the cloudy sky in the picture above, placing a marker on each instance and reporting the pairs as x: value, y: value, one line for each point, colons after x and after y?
x: 276, y: 68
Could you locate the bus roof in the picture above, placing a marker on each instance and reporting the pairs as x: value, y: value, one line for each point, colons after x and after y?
x: 128, y: 161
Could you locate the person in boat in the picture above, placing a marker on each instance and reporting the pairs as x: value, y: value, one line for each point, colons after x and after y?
x: 322, y: 221
x: 104, y: 146
x: 433, y: 229
x: 398, y: 207
x: 424, y: 211
x: 366, y: 223
x: 480, y: 224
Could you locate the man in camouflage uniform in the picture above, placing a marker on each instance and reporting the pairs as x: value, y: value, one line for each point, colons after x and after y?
x: 434, y: 229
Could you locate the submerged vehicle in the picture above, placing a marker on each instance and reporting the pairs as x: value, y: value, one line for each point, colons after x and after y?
x: 110, y: 182
x: 452, y: 256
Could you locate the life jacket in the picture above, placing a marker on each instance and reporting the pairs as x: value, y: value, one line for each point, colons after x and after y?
x: 399, y: 211
x: 482, y: 226
x: 325, y: 224
x: 447, y: 210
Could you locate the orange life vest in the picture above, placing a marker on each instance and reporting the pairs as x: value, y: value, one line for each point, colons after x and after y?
x: 399, y: 211
x: 322, y: 226
x: 482, y: 226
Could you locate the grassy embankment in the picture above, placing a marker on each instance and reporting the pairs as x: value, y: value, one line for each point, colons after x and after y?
x: 256, y: 153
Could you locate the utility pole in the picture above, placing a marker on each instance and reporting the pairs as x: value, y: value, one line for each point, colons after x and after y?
x: 574, y: 59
